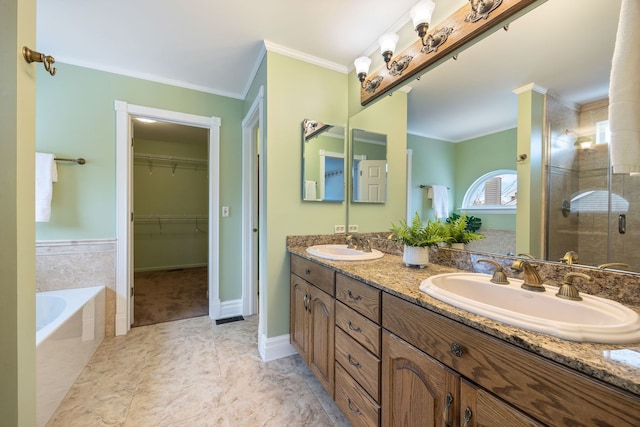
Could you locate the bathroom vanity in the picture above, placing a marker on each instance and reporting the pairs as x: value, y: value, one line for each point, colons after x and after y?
x: 391, y: 355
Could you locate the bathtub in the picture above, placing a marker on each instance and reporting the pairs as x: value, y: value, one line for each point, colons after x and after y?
x: 69, y: 329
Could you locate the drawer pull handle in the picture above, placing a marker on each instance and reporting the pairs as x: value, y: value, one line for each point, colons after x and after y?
x: 354, y: 410
x: 355, y: 329
x: 354, y: 297
x: 447, y: 409
x: 353, y: 362
x: 467, y: 417
x: 456, y: 349
x: 307, y: 271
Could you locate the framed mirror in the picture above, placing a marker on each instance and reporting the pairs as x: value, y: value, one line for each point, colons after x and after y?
x: 368, y: 167
x: 323, y: 162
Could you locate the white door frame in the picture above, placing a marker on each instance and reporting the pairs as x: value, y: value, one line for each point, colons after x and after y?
x: 255, y: 117
x: 252, y: 124
x: 124, y: 203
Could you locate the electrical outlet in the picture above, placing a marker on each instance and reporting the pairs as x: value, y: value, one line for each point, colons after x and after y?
x: 225, y: 211
x: 338, y: 229
x: 353, y: 228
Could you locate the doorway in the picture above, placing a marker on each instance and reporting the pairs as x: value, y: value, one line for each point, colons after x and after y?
x: 170, y: 223
x: 124, y: 204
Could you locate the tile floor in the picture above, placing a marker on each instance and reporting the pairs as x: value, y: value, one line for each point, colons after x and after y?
x: 194, y: 373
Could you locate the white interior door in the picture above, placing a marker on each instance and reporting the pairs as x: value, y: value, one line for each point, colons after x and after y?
x: 372, y: 182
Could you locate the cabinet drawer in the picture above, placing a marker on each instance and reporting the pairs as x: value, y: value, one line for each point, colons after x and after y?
x: 359, y: 328
x: 361, y: 297
x: 316, y: 274
x: 359, y: 363
x: 541, y: 388
x: 353, y: 401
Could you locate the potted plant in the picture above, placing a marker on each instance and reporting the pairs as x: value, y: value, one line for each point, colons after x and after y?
x: 460, y: 230
x: 417, y: 238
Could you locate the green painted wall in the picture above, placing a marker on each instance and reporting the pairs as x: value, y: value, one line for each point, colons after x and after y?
x: 476, y: 157
x: 76, y: 118
x: 433, y: 162
x: 387, y: 116
x: 529, y: 226
x: 296, y: 90
x: 17, y: 235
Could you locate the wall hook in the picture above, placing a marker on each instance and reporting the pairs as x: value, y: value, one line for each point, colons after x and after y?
x: 521, y: 158
x: 33, y: 56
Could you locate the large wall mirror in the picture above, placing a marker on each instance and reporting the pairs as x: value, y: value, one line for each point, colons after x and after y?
x: 368, y: 166
x: 323, y: 162
x: 459, y: 108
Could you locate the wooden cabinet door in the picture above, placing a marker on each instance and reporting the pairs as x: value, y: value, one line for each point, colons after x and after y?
x: 321, y: 340
x: 479, y: 408
x: 417, y: 390
x: 298, y: 316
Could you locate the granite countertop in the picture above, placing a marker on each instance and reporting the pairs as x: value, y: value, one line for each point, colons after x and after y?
x: 618, y: 365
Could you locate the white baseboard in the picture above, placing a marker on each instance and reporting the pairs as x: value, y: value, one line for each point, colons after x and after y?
x: 121, y: 324
x: 275, y: 348
x: 230, y: 308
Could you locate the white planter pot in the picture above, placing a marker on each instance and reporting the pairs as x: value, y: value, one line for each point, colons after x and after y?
x: 457, y: 246
x: 413, y: 255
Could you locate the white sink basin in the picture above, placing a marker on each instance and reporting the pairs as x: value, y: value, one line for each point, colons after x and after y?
x: 342, y: 253
x: 593, y: 319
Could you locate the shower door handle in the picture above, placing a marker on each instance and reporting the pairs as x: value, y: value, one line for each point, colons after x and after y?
x: 622, y: 224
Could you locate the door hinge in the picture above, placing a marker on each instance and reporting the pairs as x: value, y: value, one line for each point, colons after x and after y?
x: 132, y: 291
x: 131, y: 216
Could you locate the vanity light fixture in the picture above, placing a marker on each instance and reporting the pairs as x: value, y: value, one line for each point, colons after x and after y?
x: 145, y: 120
x: 462, y: 28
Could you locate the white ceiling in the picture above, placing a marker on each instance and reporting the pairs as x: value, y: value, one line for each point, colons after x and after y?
x: 563, y: 45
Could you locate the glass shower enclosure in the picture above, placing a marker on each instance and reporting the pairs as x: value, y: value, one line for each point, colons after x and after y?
x: 589, y: 210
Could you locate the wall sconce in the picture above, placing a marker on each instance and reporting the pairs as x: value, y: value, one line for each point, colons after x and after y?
x: 388, y: 44
x: 421, y: 17
x: 362, y: 68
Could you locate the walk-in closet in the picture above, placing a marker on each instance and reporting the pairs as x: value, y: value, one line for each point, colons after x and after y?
x: 170, y: 200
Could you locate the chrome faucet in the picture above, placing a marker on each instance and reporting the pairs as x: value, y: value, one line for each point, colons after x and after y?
x: 531, y: 278
x: 569, y: 258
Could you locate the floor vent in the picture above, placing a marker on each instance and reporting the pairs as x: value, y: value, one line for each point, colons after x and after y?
x: 229, y: 320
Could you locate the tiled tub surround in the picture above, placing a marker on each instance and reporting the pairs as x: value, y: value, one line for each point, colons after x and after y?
x: 618, y: 365
x: 79, y: 264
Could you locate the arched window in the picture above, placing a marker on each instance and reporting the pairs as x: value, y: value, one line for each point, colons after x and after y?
x: 495, y: 192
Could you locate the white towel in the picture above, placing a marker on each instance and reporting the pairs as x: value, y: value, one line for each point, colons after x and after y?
x: 46, y: 175
x: 310, y: 190
x: 440, y: 196
x: 624, y: 91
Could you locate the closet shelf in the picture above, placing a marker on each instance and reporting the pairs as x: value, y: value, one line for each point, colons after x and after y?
x: 169, y: 161
x: 170, y: 218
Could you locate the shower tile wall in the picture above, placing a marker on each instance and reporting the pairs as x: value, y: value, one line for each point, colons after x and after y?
x: 79, y: 264
x: 593, y: 175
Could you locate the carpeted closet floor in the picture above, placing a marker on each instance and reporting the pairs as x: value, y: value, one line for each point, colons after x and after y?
x: 164, y: 296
